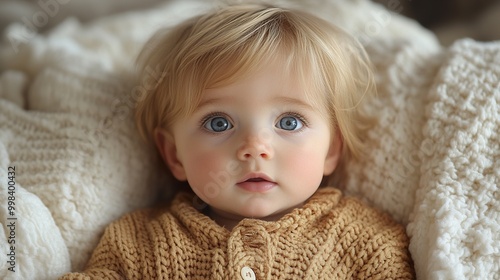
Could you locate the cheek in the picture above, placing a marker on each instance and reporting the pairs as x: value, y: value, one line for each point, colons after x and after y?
x: 206, y: 167
x: 305, y: 165
x: 200, y: 163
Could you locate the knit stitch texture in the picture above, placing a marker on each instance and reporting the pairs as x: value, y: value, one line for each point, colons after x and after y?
x: 330, y: 237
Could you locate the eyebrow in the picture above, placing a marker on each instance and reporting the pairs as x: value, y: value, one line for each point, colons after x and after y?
x: 280, y: 99
x: 207, y: 102
x: 294, y: 101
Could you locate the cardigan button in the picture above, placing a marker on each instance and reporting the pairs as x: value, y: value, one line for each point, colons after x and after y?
x: 247, y: 273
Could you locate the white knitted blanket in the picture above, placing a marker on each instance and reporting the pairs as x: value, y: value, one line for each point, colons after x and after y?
x: 66, y: 127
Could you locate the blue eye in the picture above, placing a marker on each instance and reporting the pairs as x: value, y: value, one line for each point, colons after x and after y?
x: 217, y: 124
x: 289, y: 123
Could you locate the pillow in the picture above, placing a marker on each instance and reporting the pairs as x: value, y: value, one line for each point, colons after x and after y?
x: 79, y: 163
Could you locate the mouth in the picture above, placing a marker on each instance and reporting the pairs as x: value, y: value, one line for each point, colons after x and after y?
x: 256, y: 182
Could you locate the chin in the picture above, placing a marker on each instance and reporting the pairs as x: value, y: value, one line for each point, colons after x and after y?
x: 263, y: 213
x: 255, y: 214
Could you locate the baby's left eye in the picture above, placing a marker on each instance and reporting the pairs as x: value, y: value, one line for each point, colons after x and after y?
x: 289, y: 123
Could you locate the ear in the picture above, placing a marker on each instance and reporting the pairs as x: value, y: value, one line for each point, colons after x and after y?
x: 333, y: 157
x: 166, y: 146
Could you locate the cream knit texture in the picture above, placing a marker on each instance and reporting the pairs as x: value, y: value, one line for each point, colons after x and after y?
x: 330, y: 237
x: 65, y: 123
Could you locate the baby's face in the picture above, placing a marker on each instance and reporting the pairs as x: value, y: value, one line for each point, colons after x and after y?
x: 256, y: 147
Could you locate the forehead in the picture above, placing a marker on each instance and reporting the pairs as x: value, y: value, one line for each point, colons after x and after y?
x: 271, y: 84
x: 272, y: 74
x: 279, y: 71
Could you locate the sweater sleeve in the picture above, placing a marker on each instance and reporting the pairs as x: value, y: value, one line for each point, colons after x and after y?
x: 118, y: 256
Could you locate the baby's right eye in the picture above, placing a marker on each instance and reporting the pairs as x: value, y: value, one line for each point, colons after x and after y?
x: 217, y: 124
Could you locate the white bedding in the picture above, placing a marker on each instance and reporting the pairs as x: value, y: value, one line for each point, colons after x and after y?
x: 65, y: 124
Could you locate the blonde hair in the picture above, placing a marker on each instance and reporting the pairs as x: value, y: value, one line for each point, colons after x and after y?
x: 221, y: 46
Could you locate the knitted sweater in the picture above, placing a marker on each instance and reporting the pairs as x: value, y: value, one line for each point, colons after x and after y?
x: 330, y: 237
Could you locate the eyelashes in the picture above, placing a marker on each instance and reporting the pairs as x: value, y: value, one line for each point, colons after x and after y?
x: 218, y: 122
x: 299, y: 116
x: 206, y: 120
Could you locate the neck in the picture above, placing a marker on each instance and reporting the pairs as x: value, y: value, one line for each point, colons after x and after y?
x: 229, y: 221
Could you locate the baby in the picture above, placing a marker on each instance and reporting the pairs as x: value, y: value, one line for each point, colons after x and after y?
x: 254, y: 109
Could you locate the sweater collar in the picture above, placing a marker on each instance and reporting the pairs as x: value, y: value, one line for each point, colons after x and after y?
x: 208, y: 232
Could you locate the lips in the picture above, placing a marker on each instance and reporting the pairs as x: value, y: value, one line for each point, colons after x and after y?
x: 256, y: 182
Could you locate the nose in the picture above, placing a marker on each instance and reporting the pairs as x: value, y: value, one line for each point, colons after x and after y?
x: 255, y: 147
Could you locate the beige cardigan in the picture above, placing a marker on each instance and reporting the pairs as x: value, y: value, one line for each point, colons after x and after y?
x: 330, y: 237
